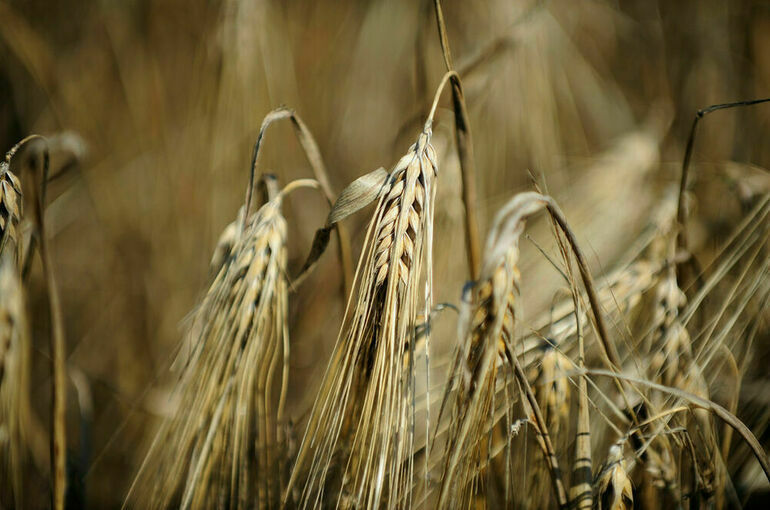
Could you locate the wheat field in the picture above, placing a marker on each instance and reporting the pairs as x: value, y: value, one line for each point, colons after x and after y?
x: 384, y: 254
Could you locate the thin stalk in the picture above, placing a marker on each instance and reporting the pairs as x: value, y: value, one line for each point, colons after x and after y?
x: 464, y: 143
x: 58, y: 343
x: 681, y: 209
x: 601, y: 328
x: 580, y: 495
x: 611, y: 358
x: 546, y: 445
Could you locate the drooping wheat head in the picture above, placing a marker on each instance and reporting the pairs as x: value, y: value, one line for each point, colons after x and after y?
x: 486, y: 329
x: 222, y: 445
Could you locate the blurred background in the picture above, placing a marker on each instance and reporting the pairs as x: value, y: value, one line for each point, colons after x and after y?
x: 154, y: 106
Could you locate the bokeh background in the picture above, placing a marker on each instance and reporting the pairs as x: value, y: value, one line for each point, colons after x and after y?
x: 155, y: 104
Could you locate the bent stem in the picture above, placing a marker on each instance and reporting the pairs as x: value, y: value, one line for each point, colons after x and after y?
x: 464, y: 143
x: 601, y: 327
x: 681, y: 208
x: 313, y: 155
x: 702, y: 403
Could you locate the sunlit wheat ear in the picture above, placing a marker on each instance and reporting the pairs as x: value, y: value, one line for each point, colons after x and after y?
x: 358, y: 443
x: 487, y: 329
x: 612, y: 488
x: 222, y: 445
x: 15, y: 409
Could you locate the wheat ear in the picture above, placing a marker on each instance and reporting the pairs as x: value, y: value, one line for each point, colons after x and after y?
x: 358, y: 444
x: 488, y: 329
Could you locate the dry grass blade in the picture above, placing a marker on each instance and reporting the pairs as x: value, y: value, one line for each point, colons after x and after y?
x: 358, y: 444
x: 681, y: 216
x: 353, y: 198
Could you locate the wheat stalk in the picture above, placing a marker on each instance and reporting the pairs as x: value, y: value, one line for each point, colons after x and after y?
x: 464, y: 142
x: 58, y: 456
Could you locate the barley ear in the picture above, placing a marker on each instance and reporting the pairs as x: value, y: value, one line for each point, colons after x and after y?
x: 489, y: 330
x: 357, y: 448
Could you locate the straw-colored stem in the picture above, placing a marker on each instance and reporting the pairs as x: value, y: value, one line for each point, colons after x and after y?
x: 702, y: 403
x: 58, y: 346
x: 464, y: 142
x: 681, y: 207
x: 588, y: 282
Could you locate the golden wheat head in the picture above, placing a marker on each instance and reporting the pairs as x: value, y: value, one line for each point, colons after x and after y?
x: 222, y: 443
x: 367, y: 388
